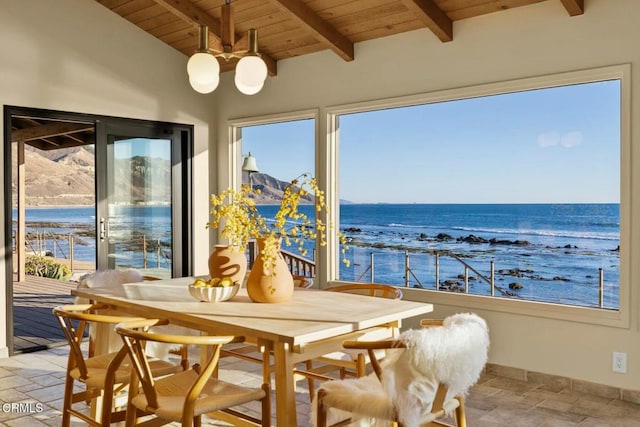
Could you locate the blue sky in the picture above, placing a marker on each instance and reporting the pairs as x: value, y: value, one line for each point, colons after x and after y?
x: 155, y: 148
x: 543, y: 146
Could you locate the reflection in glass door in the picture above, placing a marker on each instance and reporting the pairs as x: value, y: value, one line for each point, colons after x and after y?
x: 138, y: 222
x: 143, y: 206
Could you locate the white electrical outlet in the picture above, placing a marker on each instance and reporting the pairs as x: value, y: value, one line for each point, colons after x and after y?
x: 620, y: 362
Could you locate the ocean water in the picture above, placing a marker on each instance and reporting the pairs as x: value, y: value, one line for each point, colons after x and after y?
x: 128, y: 226
x: 554, y: 251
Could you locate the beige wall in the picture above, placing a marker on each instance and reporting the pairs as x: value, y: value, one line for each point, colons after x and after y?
x: 77, y: 56
x: 524, y: 42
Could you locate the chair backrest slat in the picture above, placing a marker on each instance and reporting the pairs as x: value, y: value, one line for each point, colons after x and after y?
x: 135, y: 347
x: 370, y: 289
x: 438, y: 401
x: 74, y: 337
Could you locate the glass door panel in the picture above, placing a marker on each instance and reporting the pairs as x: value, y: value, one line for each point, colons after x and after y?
x: 144, y: 199
x: 138, y: 225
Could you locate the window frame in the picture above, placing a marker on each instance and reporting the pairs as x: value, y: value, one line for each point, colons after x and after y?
x: 234, y: 132
x: 615, y: 318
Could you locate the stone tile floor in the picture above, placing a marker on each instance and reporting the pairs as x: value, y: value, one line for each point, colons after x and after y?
x: 31, y: 391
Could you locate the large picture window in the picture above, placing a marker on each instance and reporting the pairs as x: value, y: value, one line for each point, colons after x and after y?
x: 513, y: 194
x: 283, y: 150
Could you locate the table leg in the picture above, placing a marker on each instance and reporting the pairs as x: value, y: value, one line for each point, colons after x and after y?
x: 285, y: 393
x: 266, y: 349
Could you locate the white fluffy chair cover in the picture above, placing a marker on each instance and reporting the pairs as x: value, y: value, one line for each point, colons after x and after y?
x: 108, y: 279
x: 114, y: 279
x: 453, y: 354
x: 111, y: 279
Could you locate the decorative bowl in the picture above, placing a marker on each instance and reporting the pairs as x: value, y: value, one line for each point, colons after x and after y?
x: 214, y: 293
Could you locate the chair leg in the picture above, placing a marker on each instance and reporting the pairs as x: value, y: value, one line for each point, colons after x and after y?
x: 310, y: 382
x: 107, y: 402
x: 266, y: 405
x: 361, y: 366
x: 183, y: 352
x: 68, y: 401
x: 461, y: 420
x: 132, y: 411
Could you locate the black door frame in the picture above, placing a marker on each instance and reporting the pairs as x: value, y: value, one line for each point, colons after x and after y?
x: 180, y: 172
x: 182, y: 185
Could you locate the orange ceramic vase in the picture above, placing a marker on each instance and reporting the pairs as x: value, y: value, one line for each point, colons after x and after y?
x: 227, y: 262
x: 269, y: 285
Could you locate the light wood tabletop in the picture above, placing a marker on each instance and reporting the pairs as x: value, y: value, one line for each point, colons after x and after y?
x: 312, y: 323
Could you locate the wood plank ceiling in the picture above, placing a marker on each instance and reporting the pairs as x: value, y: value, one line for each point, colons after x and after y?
x: 289, y: 28
x: 47, y: 134
x: 286, y: 28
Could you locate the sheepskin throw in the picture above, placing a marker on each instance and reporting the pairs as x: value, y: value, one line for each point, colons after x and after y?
x: 110, y: 279
x: 114, y: 279
x: 453, y: 354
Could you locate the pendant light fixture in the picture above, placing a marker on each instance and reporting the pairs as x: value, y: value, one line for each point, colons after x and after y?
x: 251, y: 71
x: 203, y: 67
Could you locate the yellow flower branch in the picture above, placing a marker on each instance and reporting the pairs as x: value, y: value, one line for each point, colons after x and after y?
x: 238, y: 215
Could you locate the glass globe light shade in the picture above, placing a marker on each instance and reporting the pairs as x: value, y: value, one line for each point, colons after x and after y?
x: 248, y: 89
x: 251, y: 71
x: 203, y: 68
x: 205, y: 87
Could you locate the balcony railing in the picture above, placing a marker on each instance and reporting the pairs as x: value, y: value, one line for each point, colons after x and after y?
x: 298, y: 265
x: 490, y: 280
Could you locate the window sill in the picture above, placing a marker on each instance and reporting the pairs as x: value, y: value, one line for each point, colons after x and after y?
x: 596, y: 316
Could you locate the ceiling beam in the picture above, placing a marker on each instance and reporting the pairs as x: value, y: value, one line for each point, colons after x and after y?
x: 53, y: 145
x: 320, y: 28
x: 49, y: 130
x: 45, y: 145
x: 74, y: 138
x: 433, y: 17
x: 574, y: 7
x: 196, y: 16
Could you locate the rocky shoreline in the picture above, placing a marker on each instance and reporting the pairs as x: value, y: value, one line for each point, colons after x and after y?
x: 513, y: 280
x: 352, y: 236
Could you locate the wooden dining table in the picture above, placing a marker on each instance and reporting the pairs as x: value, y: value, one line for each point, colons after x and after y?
x: 312, y: 323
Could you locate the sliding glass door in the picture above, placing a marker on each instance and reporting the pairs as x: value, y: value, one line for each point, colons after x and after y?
x: 142, y: 201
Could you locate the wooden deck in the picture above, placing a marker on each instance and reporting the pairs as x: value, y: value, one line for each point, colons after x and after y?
x: 34, y: 327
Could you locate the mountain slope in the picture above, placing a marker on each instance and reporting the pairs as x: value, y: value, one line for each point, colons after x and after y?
x: 67, y: 181
x: 66, y: 177
x: 271, y: 189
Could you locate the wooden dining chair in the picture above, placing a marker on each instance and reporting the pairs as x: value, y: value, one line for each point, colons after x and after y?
x: 424, y: 379
x: 302, y: 282
x: 370, y: 289
x: 115, y: 279
x: 349, y: 362
x: 105, y: 375
x: 185, y: 396
x: 182, y: 351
